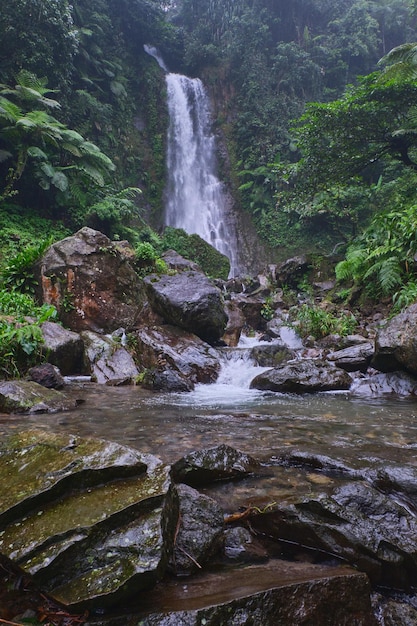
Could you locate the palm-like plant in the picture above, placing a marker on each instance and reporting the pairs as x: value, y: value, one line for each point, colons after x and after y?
x: 61, y: 157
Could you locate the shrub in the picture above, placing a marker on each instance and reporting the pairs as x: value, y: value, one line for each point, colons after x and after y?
x: 312, y: 320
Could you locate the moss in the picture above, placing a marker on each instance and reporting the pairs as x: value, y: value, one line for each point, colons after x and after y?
x: 194, y: 248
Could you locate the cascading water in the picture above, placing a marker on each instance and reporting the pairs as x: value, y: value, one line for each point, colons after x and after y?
x: 195, y: 197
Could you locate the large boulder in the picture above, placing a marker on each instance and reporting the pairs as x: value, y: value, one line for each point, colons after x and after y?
x: 162, y: 348
x: 63, y: 347
x: 91, y: 283
x: 189, y: 300
x: 396, y: 343
x: 107, y: 360
x: 353, y: 358
x: 92, y: 522
x: 306, y: 376
x: 26, y: 396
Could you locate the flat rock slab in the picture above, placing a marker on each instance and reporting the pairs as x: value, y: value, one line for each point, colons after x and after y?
x: 92, y: 521
x: 261, y: 595
x: 25, y: 396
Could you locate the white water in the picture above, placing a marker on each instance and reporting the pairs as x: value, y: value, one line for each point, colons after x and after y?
x: 195, y: 197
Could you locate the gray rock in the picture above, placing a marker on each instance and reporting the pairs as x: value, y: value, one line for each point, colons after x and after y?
x: 220, y: 463
x: 168, y: 380
x: 189, y: 300
x: 200, y: 532
x: 25, y: 396
x: 306, y: 376
x: 47, y: 375
x: 64, y: 348
x: 240, y: 545
x: 353, y: 358
x: 397, y: 384
x: 396, y: 343
x: 271, y: 355
x: 107, y: 360
x: 159, y: 348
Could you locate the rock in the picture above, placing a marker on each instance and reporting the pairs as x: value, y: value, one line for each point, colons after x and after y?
x: 91, y: 283
x: 379, y: 385
x: 276, y: 593
x: 47, y: 375
x: 206, y: 466
x: 356, y: 523
x: 64, y: 348
x: 271, y: 355
x: 24, y: 396
x: 168, y: 380
x: 251, y: 310
x: 189, y: 300
x: 396, y: 343
x: 162, y: 348
x: 306, y: 376
x: 107, y: 360
x: 239, y: 545
x: 177, y: 262
x: 396, y: 613
x: 200, y: 532
x: 290, y: 272
x: 354, y: 358
x: 235, y: 324
x: 92, y: 522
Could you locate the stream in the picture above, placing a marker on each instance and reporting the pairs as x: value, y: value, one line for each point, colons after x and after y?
x: 353, y: 431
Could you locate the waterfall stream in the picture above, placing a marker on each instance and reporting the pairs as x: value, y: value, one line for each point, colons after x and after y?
x: 195, y: 197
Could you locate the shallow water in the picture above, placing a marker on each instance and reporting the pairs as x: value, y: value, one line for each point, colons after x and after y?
x: 264, y: 424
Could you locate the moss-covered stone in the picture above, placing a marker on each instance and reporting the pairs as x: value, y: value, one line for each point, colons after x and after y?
x: 193, y: 247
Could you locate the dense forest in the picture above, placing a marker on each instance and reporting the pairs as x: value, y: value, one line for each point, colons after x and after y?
x: 315, y: 102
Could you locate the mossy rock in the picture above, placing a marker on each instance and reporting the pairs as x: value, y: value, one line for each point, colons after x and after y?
x: 193, y: 247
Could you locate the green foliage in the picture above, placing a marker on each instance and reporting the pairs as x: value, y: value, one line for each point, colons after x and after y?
x: 382, y: 258
x: 312, y: 320
x: 147, y: 260
x: 195, y: 249
x: 18, y: 272
x: 21, y: 340
x: 406, y: 296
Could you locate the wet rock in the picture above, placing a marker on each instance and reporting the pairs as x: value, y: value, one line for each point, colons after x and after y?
x: 92, y: 521
x: 161, y: 348
x: 396, y: 343
x: 177, y: 262
x: 190, y: 301
x: 271, y: 355
x: 91, y: 283
x: 47, y: 375
x: 64, y: 348
x: 394, y: 612
x: 250, y: 308
x: 267, y: 595
x: 220, y: 463
x: 356, y: 523
x: 354, y: 358
x: 240, y: 545
x: 107, y: 360
x: 24, y: 396
x: 200, y: 531
x: 235, y: 324
x: 290, y: 272
x: 397, y: 384
x: 168, y: 380
x: 306, y: 376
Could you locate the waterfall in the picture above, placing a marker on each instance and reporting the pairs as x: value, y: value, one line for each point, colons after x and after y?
x: 195, y: 197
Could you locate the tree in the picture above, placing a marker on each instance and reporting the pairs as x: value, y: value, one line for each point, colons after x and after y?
x: 373, y: 122
x: 34, y: 144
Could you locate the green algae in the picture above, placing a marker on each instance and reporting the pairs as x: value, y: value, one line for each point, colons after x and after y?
x: 37, y: 466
